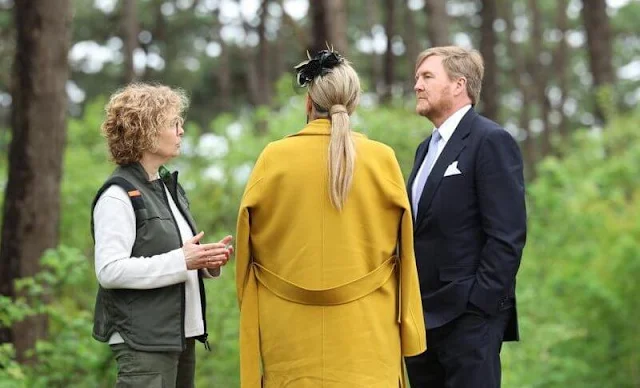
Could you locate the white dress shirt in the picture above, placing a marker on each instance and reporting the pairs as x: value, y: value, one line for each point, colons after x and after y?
x: 446, y: 131
x: 115, y: 231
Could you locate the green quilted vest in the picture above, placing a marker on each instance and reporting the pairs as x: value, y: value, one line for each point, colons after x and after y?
x: 148, y: 320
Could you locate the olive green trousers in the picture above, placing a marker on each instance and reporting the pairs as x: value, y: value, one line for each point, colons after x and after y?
x: 155, y: 369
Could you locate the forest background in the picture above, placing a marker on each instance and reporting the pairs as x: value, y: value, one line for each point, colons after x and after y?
x: 562, y: 76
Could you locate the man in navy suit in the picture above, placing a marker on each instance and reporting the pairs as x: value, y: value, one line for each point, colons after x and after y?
x: 468, y: 199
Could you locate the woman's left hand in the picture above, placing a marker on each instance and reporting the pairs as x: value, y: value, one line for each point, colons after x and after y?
x: 229, y: 251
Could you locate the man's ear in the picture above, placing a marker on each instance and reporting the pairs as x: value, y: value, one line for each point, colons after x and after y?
x: 461, y: 86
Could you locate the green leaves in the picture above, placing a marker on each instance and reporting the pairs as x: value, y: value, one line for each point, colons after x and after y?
x: 70, y: 357
x: 11, y: 373
x: 577, y: 287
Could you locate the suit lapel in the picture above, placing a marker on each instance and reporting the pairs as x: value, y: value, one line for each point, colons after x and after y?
x: 420, y: 155
x: 454, y: 146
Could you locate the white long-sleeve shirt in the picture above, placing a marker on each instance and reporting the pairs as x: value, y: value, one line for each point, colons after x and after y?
x: 115, y: 231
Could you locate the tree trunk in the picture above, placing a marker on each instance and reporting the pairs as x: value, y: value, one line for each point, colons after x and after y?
x: 437, y: 22
x: 255, y: 94
x: 129, y: 38
x: 390, y: 30
x: 521, y: 80
x: 224, y: 77
x: 279, y: 49
x: 411, y: 42
x: 160, y: 23
x: 222, y: 72
x: 530, y: 151
x: 488, y: 41
x: 263, y: 78
x: 561, y: 63
x: 251, y: 76
x: 373, y: 19
x: 337, y: 25
x: 160, y: 35
x: 298, y: 32
x: 159, y: 32
x: 32, y: 199
x: 540, y: 75
x: 600, y: 47
x: 319, y: 32
x: 251, y: 59
x: 251, y: 65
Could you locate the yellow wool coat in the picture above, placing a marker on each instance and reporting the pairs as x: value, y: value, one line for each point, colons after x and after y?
x: 323, y: 302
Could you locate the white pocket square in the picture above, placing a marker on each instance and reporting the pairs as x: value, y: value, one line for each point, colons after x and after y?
x: 452, y: 169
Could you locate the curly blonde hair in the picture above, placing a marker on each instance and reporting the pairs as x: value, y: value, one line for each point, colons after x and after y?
x: 135, y: 115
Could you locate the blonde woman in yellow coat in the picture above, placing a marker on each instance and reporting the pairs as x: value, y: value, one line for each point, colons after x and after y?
x: 326, y: 275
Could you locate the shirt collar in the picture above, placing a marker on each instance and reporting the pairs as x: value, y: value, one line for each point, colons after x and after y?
x: 449, y: 126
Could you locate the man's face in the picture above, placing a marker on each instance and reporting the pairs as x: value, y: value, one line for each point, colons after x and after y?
x: 433, y: 89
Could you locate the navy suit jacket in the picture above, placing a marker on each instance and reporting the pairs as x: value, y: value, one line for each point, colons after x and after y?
x: 470, y: 229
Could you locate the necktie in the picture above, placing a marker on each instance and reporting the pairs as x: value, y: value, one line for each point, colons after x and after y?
x: 427, y: 165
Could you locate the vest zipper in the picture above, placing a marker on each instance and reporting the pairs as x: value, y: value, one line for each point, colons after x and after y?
x: 182, y: 286
x: 203, y: 296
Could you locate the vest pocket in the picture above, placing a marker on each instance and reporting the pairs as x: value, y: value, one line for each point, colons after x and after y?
x: 156, y: 317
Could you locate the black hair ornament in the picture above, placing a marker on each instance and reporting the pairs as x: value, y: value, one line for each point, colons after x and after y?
x: 321, y: 64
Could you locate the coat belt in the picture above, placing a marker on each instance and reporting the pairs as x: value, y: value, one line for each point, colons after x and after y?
x: 250, y: 364
x: 341, y: 294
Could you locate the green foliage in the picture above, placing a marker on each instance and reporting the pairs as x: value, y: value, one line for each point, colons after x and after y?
x: 577, y: 283
x: 70, y: 356
x: 214, y: 168
x: 577, y: 286
x: 605, y: 99
x: 576, y: 289
x: 11, y: 373
x: 626, y: 18
x: 85, y: 169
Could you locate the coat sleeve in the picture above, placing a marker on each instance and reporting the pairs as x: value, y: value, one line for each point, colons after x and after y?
x: 250, y: 199
x: 412, y: 328
x: 243, y: 254
x: 246, y: 283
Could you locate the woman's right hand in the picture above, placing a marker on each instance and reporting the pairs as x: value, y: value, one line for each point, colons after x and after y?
x: 198, y: 256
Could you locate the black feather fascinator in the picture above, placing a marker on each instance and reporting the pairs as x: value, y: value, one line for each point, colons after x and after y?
x: 321, y: 64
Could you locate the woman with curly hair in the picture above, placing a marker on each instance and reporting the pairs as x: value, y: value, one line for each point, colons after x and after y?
x: 325, y: 271
x: 149, y: 261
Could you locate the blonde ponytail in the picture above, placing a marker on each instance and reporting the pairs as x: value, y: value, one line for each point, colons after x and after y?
x: 342, y: 155
x: 337, y: 94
